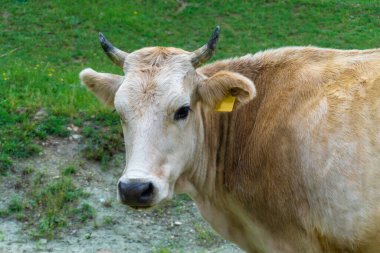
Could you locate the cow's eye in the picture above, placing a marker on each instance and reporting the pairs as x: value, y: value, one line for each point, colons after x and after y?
x: 182, y: 113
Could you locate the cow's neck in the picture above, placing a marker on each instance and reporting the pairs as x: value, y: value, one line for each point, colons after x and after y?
x: 217, y: 132
x: 221, y: 141
x: 212, y: 190
x: 213, y: 153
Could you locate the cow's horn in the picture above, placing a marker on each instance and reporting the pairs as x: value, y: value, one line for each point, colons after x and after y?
x: 204, y: 53
x: 116, y: 55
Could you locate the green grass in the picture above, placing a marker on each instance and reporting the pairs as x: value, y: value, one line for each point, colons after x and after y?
x: 103, y: 138
x: 205, y: 236
x: 108, y: 221
x: 70, y: 170
x: 162, y: 250
x: 45, y: 44
x: 49, y: 205
x: 6, y: 164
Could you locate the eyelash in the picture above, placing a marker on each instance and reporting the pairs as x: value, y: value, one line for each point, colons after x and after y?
x: 182, y: 113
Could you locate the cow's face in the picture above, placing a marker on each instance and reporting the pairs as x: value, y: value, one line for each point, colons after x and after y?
x: 159, y: 101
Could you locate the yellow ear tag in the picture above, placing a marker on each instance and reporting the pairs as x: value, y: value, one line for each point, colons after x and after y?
x: 226, y: 105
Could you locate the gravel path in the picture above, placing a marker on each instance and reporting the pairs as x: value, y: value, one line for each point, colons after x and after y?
x: 173, y: 227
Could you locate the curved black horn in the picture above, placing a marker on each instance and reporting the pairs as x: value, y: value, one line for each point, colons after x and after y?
x: 204, y: 53
x: 116, y: 55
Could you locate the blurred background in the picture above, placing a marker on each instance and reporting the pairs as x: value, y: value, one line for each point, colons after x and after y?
x: 61, y: 151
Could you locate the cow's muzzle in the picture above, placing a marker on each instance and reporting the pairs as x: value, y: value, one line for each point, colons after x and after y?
x: 137, y: 194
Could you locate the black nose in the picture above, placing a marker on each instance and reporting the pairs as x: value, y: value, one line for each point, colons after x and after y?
x: 136, y: 194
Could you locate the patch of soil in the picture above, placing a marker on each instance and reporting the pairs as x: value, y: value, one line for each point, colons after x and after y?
x: 173, y: 227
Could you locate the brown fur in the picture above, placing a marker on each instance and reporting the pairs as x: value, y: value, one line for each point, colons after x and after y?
x: 257, y: 161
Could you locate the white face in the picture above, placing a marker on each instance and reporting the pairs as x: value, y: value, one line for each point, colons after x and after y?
x: 155, y: 106
x: 159, y: 101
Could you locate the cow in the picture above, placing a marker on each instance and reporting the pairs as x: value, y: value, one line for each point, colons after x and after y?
x: 280, y: 150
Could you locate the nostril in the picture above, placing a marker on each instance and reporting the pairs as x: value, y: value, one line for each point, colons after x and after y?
x: 148, y: 192
x: 123, y: 187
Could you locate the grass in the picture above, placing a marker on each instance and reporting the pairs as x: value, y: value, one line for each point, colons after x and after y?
x: 49, y: 206
x: 177, y: 206
x: 108, y: 221
x: 6, y: 164
x: 2, y: 236
x: 205, y: 236
x: 70, y: 170
x: 45, y: 44
x: 162, y: 250
x: 103, y: 138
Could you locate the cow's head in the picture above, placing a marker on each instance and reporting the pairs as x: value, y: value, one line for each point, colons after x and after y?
x: 159, y: 100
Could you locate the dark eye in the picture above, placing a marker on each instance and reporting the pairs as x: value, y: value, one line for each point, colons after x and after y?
x: 182, y: 113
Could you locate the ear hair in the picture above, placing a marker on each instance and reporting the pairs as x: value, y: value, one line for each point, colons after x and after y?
x: 103, y: 85
x: 214, y: 89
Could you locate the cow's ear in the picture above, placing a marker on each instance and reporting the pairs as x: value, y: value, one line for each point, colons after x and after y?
x: 103, y: 85
x: 226, y: 91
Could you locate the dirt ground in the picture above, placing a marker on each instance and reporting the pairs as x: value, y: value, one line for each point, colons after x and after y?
x: 174, y: 227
